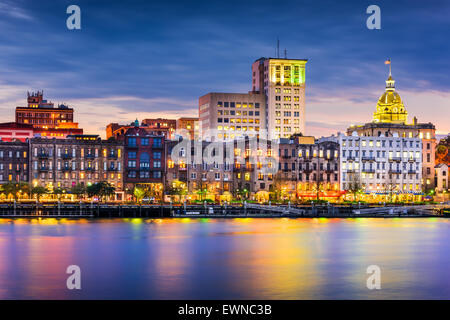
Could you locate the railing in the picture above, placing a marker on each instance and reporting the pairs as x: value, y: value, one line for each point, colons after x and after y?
x: 43, y: 155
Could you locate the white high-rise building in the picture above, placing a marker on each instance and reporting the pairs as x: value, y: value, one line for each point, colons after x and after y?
x: 282, y: 81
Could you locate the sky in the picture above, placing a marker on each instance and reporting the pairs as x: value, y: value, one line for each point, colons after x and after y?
x: 143, y: 59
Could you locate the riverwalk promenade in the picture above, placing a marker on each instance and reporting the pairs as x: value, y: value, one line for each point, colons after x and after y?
x: 104, y: 210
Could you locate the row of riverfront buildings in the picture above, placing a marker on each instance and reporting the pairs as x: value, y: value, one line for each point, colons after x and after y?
x: 241, y: 145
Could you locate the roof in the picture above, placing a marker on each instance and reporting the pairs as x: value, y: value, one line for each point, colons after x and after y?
x: 16, y: 125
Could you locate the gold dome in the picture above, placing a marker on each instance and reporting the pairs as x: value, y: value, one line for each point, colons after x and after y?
x: 390, y: 107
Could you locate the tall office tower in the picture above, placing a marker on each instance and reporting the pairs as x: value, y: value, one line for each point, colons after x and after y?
x: 282, y: 81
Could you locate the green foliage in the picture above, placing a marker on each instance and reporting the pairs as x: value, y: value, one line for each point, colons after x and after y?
x: 102, y: 190
x: 39, y: 191
x: 79, y: 190
x: 14, y: 188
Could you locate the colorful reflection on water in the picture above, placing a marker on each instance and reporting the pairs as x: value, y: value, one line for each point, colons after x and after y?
x: 225, y: 259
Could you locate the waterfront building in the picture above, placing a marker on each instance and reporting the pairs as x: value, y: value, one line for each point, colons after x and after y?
x: 192, y: 179
x: 275, y: 105
x: 226, y: 116
x: 308, y: 169
x: 78, y: 159
x: 442, y: 178
x: 46, y: 119
x: 382, y: 168
x: 13, y: 131
x: 295, y: 169
x: 159, y: 126
x: 156, y: 127
x: 144, y: 161
x: 191, y: 125
x: 282, y: 81
x: 390, y: 120
x: 14, y: 162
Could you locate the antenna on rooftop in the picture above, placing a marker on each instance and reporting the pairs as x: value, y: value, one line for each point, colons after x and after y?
x: 285, y: 53
x: 278, y: 48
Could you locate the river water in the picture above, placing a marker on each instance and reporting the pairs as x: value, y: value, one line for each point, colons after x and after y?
x: 249, y: 258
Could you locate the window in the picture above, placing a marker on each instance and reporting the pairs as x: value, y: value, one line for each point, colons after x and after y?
x: 131, y: 155
x: 144, y: 141
x: 156, y: 155
x: 157, y: 142
x: 144, y: 160
x: 131, y: 142
x: 156, y: 174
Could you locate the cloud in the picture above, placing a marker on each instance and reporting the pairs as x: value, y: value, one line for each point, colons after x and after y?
x: 13, y: 11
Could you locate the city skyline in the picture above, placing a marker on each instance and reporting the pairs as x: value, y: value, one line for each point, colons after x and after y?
x: 130, y: 62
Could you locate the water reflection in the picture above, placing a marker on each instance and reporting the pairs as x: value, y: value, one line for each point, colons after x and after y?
x: 247, y: 258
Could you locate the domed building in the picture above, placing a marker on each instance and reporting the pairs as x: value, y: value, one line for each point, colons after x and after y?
x: 390, y: 107
x: 391, y: 120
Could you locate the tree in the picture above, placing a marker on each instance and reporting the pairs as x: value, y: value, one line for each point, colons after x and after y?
x: 58, y: 192
x: 39, y: 191
x: 102, y: 189
x: 177, y: 188
x: 79, y: 190
x: 139, y: 193
x: 354, y: 185
x: 14, y: 188
x: 390, y: 185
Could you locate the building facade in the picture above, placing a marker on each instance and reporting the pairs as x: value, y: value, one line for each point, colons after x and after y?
x: 191, y: 125
x: 144, y: 161
x: 46, y: 119
x: 282, y: 81
x: 14, y: 158
x: 12, y: 131
x: 226, y: 116
x: 390, y: 120
x: 80, y: 159
x: 308, y: 169
x: 275, y: 106
x: 381, y: 168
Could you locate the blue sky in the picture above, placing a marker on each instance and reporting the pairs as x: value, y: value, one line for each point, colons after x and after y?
x: 155, y: 58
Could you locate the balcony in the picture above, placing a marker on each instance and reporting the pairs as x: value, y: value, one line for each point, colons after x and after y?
x: 90, y: 169
x: 411, y: 160
x: 395, y: 159
x: 112, y: 156
x: 368, y: 158
x: 43, y: 168
x: 368, y: 170
x: 350, y: 159
x: 89, y: 156
x: 64, y: 168
x: 412, y: 171
x: 112, y: 169
x: 395, y: 171
x: 66, y: 156
x: 43, y: 155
